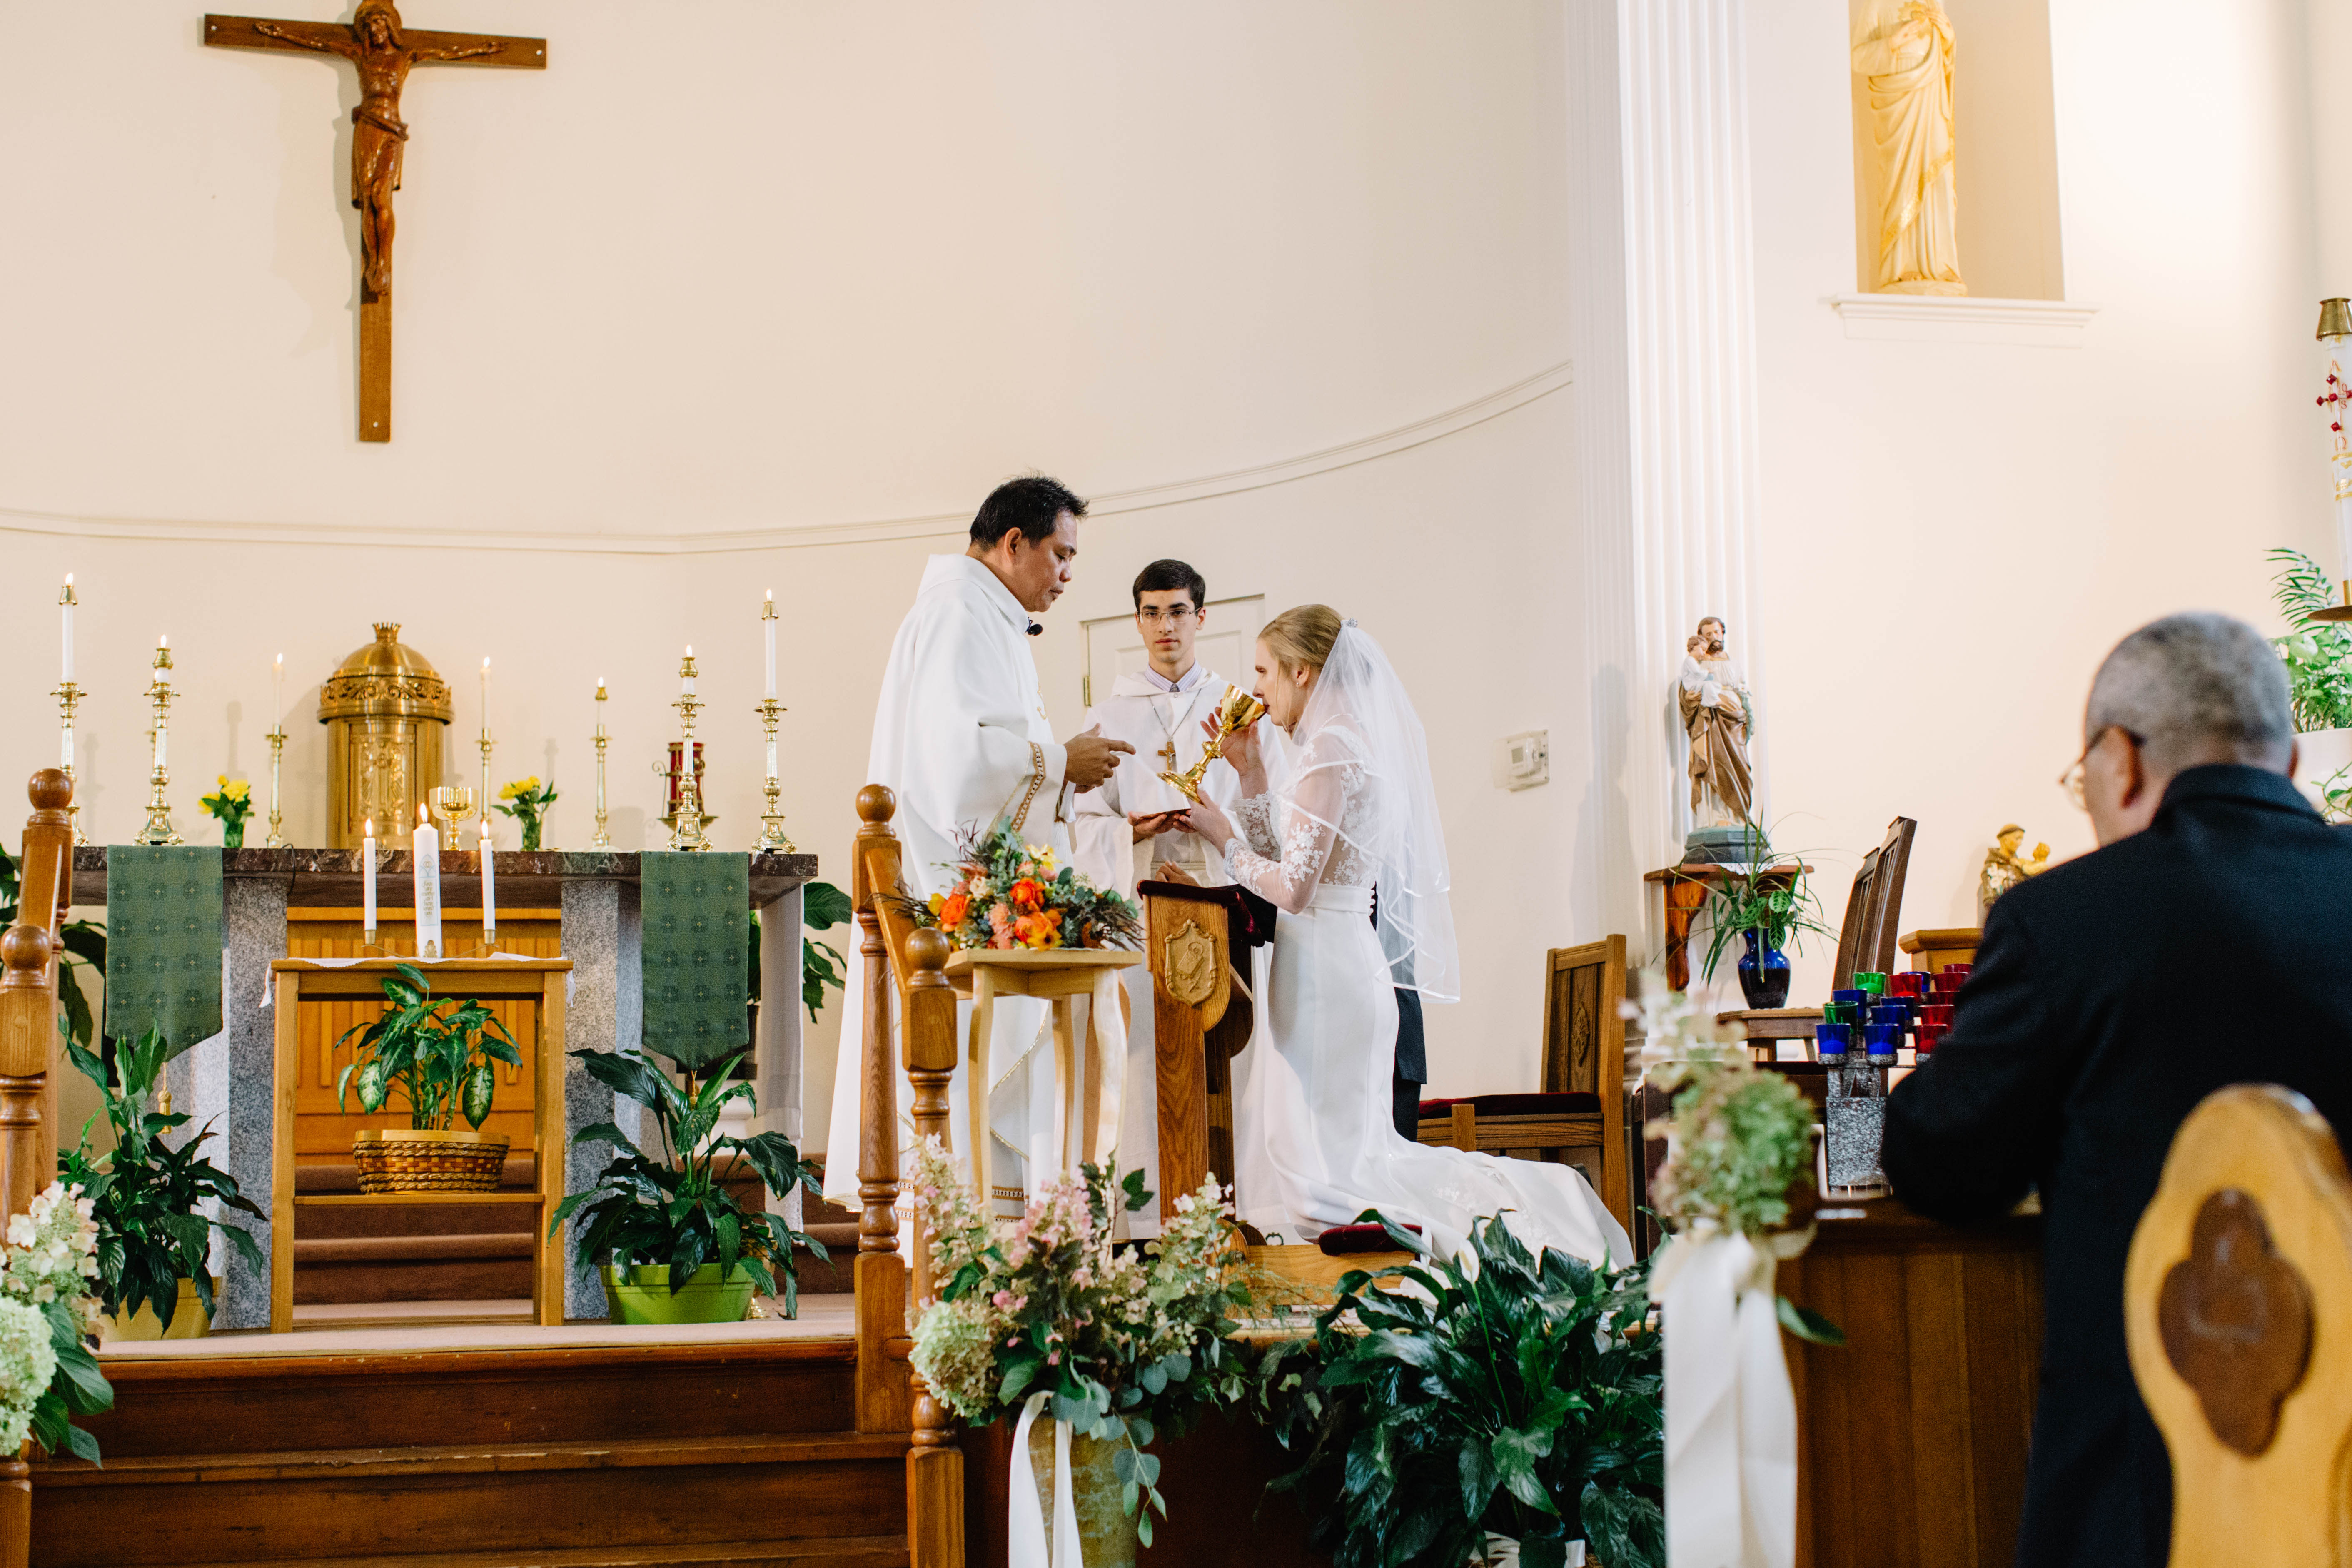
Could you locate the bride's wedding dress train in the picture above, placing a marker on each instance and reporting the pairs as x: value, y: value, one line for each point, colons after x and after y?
x: 1314, y: 1143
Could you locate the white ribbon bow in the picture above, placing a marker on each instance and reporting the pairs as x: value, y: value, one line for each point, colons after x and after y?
x: 1025, y: 1524
x: 1731, y: 1415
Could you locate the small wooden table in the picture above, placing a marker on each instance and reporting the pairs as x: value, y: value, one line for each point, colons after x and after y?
x: 1685, y: 893
x: 1062, y: 976
x: 540, y: 980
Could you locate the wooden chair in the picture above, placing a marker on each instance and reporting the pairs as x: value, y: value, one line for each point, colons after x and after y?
x: 1579, y: 1119
x: 1866, y: 939
x: 2238, y: 1311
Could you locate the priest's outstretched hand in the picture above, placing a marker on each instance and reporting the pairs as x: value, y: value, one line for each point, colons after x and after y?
x: 1092, y: 759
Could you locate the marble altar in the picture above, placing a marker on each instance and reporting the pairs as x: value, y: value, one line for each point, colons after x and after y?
x: 227, y: 1078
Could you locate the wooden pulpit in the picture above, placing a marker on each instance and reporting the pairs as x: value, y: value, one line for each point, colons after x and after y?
x: 1198, y: 941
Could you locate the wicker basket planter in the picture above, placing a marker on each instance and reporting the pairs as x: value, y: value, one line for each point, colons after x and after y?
x: 397, y: 1159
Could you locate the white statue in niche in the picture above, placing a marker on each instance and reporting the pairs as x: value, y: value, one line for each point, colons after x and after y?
x: 1904, y: 54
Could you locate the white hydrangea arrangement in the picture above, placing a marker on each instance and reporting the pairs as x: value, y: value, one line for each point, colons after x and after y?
x: 49, y: 1316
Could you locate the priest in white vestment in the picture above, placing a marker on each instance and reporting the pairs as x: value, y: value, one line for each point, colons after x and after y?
x: 1123, y: 831
x: 960, y: 737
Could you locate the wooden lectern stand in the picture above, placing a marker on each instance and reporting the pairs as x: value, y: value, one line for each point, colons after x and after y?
x: 1198, y: 941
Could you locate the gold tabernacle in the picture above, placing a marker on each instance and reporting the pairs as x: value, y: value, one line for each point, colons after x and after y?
x: 385, y: 709
x: 1237, y: 709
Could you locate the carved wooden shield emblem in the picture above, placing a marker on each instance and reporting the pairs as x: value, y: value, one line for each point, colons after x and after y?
x: 1191, y: 968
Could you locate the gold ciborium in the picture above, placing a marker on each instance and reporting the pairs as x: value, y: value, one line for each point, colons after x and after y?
x: 1237, y: 709
x: 452, y: 803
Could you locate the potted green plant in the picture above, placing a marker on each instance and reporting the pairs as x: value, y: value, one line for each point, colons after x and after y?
x: 1766, y: 902
x: 436, y: 1055
x: 2318, y: 658
x: 1501, y: 1394
x: 1049, y: 1316
x: 527, y: 800
x: 153, y: 1245
x: 673, y: 1243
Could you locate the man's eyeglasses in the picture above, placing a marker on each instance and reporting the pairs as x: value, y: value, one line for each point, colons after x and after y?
x: 1175, y: 618
x: 2071, y: 781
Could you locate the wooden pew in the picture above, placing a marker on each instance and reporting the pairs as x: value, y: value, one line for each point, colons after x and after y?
x: 903, y: 977
x: 28, y: 1042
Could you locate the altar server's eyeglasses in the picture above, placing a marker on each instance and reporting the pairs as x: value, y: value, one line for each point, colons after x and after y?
x: 2071, y: 781
x: 1175, y: 618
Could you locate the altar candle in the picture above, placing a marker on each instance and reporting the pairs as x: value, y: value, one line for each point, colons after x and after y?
x: 426, y: 846
x: 686, y: 682
x: 66, y: 606
x: 277, y: 693
x: 486, y: 709
x: 367, y: 875
x: 768, y: 621
x: 489, y: 885
x: 600, y: 713
x: 162, y: 736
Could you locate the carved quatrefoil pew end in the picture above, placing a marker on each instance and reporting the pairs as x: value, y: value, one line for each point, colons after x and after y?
x: 2238, y: 1310
x: 2236, y: 1321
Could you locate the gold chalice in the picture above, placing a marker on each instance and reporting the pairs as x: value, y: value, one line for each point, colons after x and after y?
x: 452, y: 803
x: 1237, y: 709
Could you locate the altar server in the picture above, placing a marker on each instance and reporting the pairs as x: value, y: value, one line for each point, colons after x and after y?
x: 1125, y: 831
x: 962, y: 738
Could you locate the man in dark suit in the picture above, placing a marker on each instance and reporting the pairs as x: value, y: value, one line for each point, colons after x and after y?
x: 2204, y: 943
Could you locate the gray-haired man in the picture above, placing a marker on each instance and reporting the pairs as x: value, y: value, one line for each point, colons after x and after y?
x: 2207, y: 941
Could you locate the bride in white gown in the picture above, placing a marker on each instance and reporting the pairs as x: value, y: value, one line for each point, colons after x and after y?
x: 1350, y: 809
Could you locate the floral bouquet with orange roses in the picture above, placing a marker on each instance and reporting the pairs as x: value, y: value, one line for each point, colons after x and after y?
x: 1010, y: 894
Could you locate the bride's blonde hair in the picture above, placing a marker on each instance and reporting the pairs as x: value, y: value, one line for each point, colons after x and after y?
x: 1301, y: 637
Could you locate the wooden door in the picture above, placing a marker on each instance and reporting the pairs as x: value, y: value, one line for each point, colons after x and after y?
x: 323, y: 1134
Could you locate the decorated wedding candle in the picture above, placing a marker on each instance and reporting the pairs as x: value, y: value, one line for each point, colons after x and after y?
x: 767, y: 622
x: 489, y: 887
x: 65, y: 609
x: 367, y: 878
x: 428, y: 855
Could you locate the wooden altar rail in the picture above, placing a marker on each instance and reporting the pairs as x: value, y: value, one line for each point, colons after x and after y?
x: 28, y: 1041
x: 902, y: 975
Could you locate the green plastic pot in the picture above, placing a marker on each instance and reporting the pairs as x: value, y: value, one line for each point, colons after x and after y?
x: 645, y: 1296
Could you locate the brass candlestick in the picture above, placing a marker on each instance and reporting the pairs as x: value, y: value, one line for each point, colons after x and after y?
x: 67, y: 694
x: 159, y: 829
x: 771, y: 821
x: 603, y: 840
x: 487, y: 796
x: 1237, y: 709
x: 687, y: 822
x: 277, y: 738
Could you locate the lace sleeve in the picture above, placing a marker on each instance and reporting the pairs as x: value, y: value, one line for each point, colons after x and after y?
x: 1287, y: 875
x: 1255, y: 817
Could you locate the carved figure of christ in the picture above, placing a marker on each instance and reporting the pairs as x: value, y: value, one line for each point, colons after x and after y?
x: 383, y: 51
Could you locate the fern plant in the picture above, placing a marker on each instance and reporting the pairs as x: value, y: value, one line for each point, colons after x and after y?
x: 2318, y: 653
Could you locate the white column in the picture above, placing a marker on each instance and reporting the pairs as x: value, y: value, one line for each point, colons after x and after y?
x: 1663, y: 329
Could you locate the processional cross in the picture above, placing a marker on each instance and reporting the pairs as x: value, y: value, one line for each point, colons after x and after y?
x: 383, y: 51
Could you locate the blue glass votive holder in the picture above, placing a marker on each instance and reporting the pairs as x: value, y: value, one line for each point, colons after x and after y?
x: 1831, y: 1041
x: 1882, y: 1041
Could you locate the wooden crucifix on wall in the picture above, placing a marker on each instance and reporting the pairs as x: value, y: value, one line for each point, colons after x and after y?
x: 383, y: 51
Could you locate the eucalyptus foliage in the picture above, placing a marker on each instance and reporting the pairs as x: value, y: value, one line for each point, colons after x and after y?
x: 668, y: 1206
x: 1504, y: 1391
x: 2318, y: 653
x: 436, y: 1053
x: 145, y: 1194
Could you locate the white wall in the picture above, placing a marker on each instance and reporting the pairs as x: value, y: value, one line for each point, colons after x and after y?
x: 783, y: 272
x: 1955, y: 533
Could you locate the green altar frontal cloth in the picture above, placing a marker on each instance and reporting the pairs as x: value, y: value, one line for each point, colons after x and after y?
x: 697, y: 907
x: 163, y: 943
